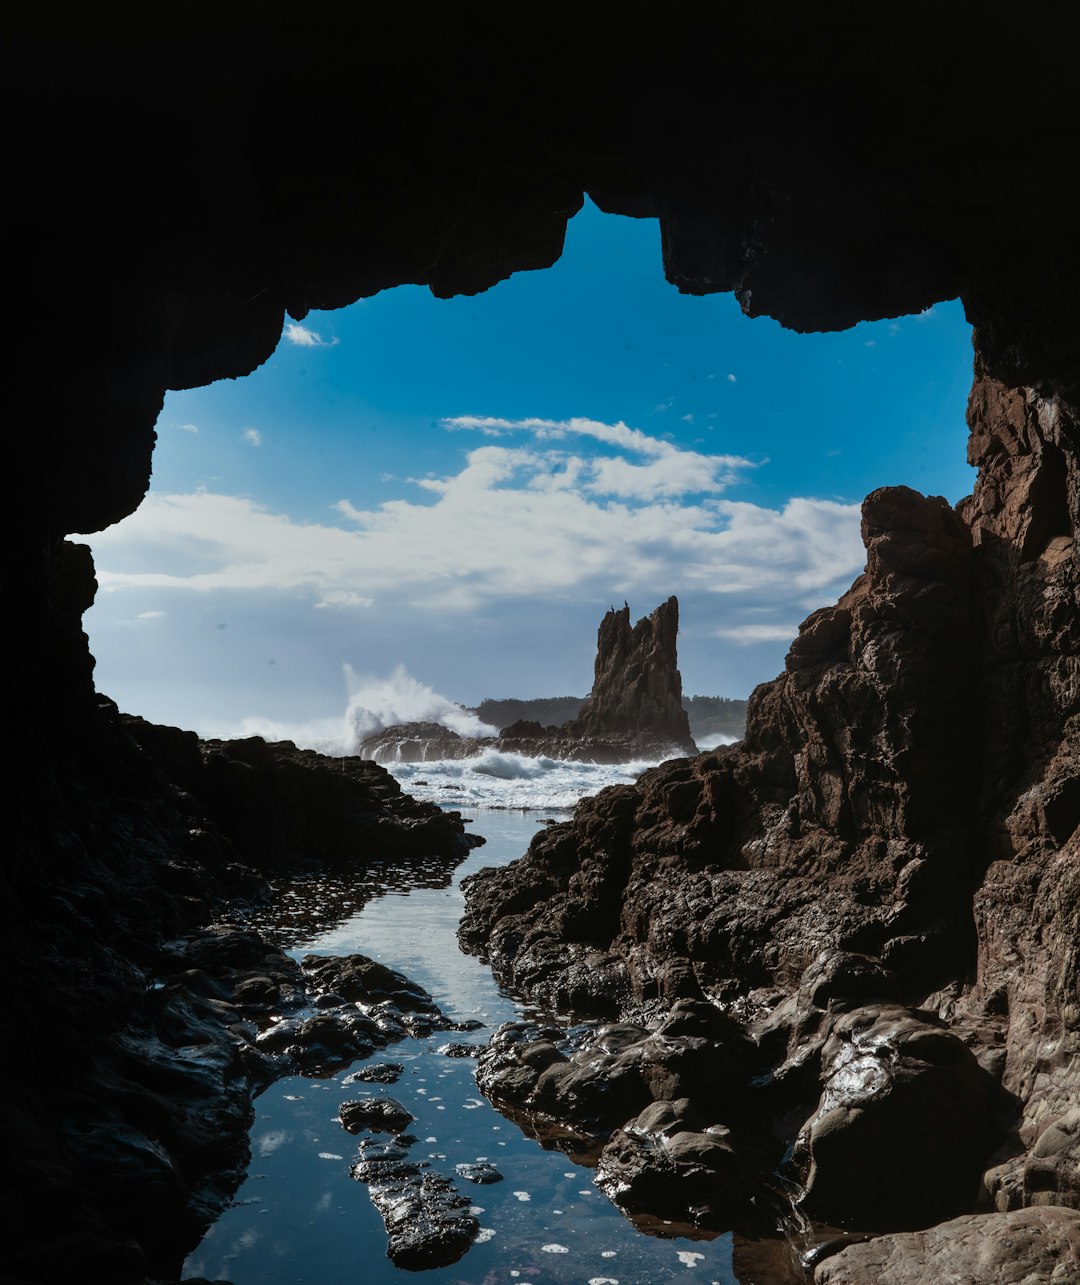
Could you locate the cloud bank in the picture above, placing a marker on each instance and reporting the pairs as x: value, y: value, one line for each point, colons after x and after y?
x: 579, y: 511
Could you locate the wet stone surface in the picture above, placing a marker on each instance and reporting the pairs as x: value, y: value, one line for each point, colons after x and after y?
x: 484, y: 1174
x: 378, y: 1073
x: 427, y: 1220
x: 374, y: 1113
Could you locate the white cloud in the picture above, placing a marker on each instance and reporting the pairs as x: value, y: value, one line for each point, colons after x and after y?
x: 731, y: 379
x: 150, y: 615
x: 188, y: 428
x: 748, y: 634
x: 344, y: 598
x: 513, y: 524
x: 304, y: 337
x: 253, y: 436
x: 669, y: 471
x: 524, y: 539
x: 688, y: 419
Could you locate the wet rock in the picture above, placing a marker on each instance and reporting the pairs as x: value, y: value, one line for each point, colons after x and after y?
x: 365, y: 981
x: 330, y: 999
x: 670, y: 1163
x: 1016, y: 1248
x: 374, y: 1113
x: 427, y: 1220
x: 609, y: 1072
x: 460, y: 1050
x: 841, y: 978
x: 480, y: 1172
x: 379, y: 1073
x: 323, y: 1043
x: 904, y: 1124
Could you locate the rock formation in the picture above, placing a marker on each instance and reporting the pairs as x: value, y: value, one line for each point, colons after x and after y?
x: 884, y: 869
x: 128, y: 1088
x: 635, y: 709
x: 637, y: 689
x: 902, y: 815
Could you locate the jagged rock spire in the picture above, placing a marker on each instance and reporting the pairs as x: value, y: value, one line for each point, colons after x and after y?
x: 637, y: 689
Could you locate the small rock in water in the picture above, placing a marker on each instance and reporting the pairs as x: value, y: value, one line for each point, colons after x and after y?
x: 482, y: 1173
x: 460, y: 1050
x: 379, y: 1073
x: 374, y: 1113
x: 427, y: 1221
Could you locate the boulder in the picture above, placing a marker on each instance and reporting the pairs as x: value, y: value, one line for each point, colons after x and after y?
x: 904, y: 1124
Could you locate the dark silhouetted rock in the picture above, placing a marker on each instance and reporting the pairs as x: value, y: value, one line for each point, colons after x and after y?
x: 427, y: 1220
x: 379, y: 1073
x: 482, y: 1173
x: 375, y: 1113
x: 637, y: 690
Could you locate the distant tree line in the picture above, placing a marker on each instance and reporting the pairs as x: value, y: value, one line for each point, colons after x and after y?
x: 711, y: 714
x: 549, y: 711
x: 708, y: 714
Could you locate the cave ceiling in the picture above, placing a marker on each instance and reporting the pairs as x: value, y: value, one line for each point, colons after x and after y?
x: 184, y: 176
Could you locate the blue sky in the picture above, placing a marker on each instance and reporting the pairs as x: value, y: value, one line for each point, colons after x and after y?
x: 462, y: 487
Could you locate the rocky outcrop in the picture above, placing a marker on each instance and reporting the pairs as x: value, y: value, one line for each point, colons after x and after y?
x: 708, y: 715
x: 282, y: 807
x: 637, y: 689
x: 635, y: 709
x: 898, y: 826
x: 142, y: 1033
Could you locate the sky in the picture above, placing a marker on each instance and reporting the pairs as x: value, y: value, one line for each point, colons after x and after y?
x: 419, y: 500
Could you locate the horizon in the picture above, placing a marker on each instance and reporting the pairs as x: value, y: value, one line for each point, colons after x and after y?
x: 461, y: 487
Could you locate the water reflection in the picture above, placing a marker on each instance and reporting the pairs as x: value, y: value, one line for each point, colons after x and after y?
x: 303, y: 908
x: 299, y: 1217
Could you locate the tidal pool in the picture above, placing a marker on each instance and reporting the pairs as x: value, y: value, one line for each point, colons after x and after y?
x: 299, y: 1217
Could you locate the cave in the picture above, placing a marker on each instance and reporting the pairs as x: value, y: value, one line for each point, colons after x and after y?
x: 183, y: 180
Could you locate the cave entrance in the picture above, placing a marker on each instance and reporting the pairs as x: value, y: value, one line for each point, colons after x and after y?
x: 463, y: 486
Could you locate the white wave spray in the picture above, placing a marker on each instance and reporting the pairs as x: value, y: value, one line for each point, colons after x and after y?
x: 375, y: 703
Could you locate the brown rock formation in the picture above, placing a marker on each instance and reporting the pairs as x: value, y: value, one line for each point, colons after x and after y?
x: 907, y: 790
x: 1004, y: 1249
x: 637, y: 689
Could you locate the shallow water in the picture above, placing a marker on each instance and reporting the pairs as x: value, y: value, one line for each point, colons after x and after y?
x: 299, y: 1217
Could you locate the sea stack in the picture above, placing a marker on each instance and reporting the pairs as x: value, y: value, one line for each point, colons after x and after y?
x: 637, y: 688
x: 634, y: 711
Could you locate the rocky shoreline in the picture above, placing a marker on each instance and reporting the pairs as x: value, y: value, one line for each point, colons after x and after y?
x: 849, y: 895
x: 179, y: 1012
